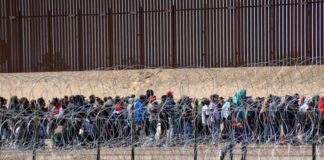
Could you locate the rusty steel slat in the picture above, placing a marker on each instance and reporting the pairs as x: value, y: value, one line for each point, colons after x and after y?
x: 34, y: 57
x: 272, y: 30
x: 164, y: 33
x: 278, y: 38
x: 152, y: 33
x: 300, y: 30
x: 295, y: 34
x: 96, y: 41
x: 50, y: 40
x: 289, y: 30
x: 157, y: 31
x: 35, y: 60
x: 281, y: 37
x: 227, y: 31
x: 2, y: 43
x: 261, y: 31
x: 168, y: 33
x: 100, y: 34
x: 253, y: 35
x: 141, y: 36
x: 244, y: 30
x: 20, y: 46
x: 110, y: 39
x: 249, y: 35
x: 14, y: 38
x: 322, y: 35
x: 218, y: 33
x: 246, y: 35
x: 126, y: 34
x: 266, y: 32
x: 8, y: 48
x: 117, y: 37
x: 69, y: 45
x: 318, y: 34
x: 237, y: 34
x: 80, y: 40
x: 90, y: 36
x: 63, y: 51
x: 308, y: 30
x: 173, y: 55
x: 41, y: 30
x: 222, y: 57
x: 2, y: 39
x: 206, y: 34
x: 105, y: 37
x: 59, y: 41
x: 180, y: 37
x: 286, y: 40
x: 190, y: 45
x: 196, y: 38
x: 85, y: 33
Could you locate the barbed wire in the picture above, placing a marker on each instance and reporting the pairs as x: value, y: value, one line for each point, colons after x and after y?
x: 29, y: 133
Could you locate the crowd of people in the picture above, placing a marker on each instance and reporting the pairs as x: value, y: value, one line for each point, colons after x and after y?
x: 164, y: 121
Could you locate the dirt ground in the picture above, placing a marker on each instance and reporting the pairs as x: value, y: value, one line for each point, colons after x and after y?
x: 260, y: 152
x: 259, y: 81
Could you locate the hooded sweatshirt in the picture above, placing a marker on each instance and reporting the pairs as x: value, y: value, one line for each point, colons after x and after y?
x: 238, y: 104
x: 139, y: 112
x: 237, y: 98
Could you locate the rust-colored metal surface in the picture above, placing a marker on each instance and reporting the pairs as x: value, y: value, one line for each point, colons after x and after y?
x: 72, y: 35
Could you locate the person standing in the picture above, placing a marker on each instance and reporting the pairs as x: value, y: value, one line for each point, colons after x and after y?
x: 237, y: 118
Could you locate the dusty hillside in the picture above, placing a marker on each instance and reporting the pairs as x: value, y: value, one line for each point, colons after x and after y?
x: 259, y: 81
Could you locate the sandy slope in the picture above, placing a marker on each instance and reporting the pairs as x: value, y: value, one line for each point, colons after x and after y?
x: 259, y: 81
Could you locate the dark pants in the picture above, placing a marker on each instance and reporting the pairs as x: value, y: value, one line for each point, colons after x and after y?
x: 226, y: 130
x: 188, y: 129
x: 236, y: 136
x: 153, y: 125
x: 289, y: 130
x: 321, y: 127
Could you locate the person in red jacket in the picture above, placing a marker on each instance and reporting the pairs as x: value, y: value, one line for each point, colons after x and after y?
x: 56, y: 108
x: 320, y: 106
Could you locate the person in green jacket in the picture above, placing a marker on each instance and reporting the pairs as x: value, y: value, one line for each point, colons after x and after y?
x: 236, y: 117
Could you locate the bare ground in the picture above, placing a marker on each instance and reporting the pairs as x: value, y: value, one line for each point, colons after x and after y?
x: 259, y: 81
x: 261, y: 152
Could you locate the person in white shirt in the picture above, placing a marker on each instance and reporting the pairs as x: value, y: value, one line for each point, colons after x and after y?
x: 214, y: 118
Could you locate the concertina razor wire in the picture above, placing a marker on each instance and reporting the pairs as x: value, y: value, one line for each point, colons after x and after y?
x: 271, y: 122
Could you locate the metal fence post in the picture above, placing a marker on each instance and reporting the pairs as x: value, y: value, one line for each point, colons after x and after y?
x: 195, y: 132
x: 313, y: 138
x: 99, y: 138
x: 0, y: 148
x: 35, y: 143
x: 132, y: 134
